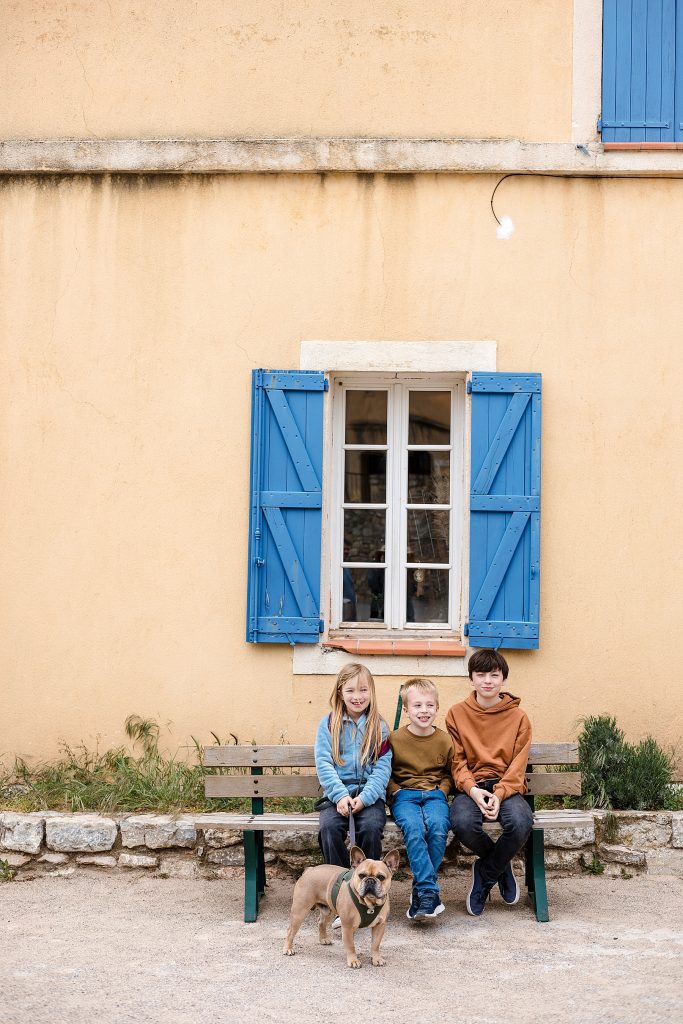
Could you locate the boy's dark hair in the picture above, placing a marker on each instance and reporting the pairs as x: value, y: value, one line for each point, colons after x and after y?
x: 488, y: 660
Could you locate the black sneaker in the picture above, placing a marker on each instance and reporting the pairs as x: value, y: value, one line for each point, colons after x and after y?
x: 509, y: 889
x: 411, y: 912
x: 430, y: 905
x: 477, y: 896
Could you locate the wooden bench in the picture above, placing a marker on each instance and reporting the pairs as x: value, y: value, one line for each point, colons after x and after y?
x: 248, y: 780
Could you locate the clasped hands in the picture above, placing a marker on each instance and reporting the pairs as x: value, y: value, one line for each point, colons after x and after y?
x: 350, y: 805
x: 488, y: 803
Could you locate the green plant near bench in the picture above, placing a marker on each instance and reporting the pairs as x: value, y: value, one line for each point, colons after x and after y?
x: 622, y: 775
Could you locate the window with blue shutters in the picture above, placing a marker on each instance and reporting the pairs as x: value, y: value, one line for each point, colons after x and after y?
x: 393, y: 546
x: 642, y: 71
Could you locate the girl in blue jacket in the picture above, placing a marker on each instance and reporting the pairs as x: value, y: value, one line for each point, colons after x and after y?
x: 353, y: 762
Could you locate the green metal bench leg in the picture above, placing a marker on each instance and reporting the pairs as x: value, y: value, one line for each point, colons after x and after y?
x: 261, y: 864
x: 251, y: 877
x: 539, y: 895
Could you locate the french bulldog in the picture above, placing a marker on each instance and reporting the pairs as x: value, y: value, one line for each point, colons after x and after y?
x: 370, y: 883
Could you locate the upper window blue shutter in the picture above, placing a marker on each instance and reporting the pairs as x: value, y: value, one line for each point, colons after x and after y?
x: 505, y: 503
x: 285, y: 516
x: 639, y: 71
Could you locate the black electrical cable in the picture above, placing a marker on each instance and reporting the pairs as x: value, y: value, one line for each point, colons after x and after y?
x: 545, y: 174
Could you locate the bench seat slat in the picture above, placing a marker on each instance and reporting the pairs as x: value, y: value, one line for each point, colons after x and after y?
x: 309, y: 822
x: 282, y: 756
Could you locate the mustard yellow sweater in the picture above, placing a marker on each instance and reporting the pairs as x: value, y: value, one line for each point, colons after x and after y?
x: 420, y: 762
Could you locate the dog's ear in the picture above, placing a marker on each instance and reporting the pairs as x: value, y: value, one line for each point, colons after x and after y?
x: 357, y: 856
x: 391, y: 860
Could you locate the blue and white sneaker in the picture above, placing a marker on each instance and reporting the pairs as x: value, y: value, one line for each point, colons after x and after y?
x: 479, y: 891
x: 509, y: 889
x: 412, y: 911
x: 430, y: 905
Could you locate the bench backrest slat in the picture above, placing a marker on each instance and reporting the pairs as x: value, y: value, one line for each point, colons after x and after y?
x: 302, y: 757
x: 258, y: 786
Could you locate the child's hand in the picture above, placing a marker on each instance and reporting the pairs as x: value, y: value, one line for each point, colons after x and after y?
x: 483, y: 801
x: 345, y: 805
x: 493, y: 806
x: 357, y: 805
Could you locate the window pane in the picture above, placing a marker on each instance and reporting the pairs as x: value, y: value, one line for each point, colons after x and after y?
x: 364, y: 535
x: 363, y: 595
x: 365, y: 477
x: 427, y: 536
x: 429, y: 417
x: 427, y: 595
x: 429, y: 478
x: 366, y: 417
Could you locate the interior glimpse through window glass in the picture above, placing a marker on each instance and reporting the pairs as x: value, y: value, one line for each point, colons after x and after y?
x: 429, y: 478
x: 428, y: 536
x: 363, y: 595
x: 427, y: 595
x: 364, y: 533
x: 429, y: 417
x: 365, y: 477
x: 366, y: 417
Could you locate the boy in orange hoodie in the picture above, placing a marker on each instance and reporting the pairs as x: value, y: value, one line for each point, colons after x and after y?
x: 491, y: 739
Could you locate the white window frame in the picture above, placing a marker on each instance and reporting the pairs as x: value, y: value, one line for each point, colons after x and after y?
x: 398, y: 387
x: 371, y: 357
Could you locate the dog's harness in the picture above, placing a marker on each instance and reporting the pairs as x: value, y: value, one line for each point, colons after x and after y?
x: 367, y: 914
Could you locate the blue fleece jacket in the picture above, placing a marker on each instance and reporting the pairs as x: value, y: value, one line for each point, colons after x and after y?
x: 368, y: 781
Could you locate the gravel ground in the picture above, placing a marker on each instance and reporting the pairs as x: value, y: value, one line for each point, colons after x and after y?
x: 114, y: 949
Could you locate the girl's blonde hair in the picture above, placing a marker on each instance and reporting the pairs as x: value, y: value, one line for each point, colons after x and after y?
x: 372, y: 740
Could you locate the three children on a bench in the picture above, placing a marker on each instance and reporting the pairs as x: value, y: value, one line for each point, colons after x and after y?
x: 483, y: 757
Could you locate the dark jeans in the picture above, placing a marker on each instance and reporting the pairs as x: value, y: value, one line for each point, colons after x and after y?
x: 516, y: 819
x: 334, y: 828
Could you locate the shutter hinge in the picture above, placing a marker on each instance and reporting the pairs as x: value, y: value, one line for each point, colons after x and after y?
x: 599, y: 124
x: 259, y: 562
x: 466, y: 629
x: 469, y: 387
x: 321, y: 626
x: 327, y: 385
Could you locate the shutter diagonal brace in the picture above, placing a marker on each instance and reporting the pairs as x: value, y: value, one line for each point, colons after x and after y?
x: 294, y: 441
x: 500, y: 443
x: 499, y: 564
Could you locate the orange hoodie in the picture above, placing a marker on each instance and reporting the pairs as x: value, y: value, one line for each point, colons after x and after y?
x: 490, y: 743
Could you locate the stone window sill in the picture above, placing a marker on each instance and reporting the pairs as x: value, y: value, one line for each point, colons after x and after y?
x: 638, y: 146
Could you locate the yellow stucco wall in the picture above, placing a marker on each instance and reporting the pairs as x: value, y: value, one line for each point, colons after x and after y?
x: 227, y: 68
x: 131, y: 313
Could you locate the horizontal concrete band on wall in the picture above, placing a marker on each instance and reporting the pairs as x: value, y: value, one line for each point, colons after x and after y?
x: 318, y: 155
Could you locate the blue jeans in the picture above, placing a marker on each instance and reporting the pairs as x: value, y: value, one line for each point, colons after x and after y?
x: 422, y: 816
x: 516, y: 819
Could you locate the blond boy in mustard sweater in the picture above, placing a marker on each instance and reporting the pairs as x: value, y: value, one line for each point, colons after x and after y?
x: 418, y: 793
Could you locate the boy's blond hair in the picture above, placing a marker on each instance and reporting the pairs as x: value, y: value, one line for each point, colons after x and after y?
x: 421, y: 684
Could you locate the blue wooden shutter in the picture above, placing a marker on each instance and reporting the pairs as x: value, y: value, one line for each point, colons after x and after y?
x: 285, y: 518
x: 639, y: 70
x: 505, y: 507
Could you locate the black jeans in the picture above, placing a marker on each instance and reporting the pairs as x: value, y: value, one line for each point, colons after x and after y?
x: 334, y: 828
x: 515, y: 817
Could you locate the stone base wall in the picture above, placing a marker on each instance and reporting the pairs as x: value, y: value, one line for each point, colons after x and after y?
x: 172, y: 846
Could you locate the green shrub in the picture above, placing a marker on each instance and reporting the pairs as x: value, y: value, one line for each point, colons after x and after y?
x: 620, y: 775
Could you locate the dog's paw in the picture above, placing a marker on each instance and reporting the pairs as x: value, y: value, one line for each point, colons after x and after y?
x: 378, y: 961
x: 326, y: 941
x: 288, y: 951
x: 353, y: 961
